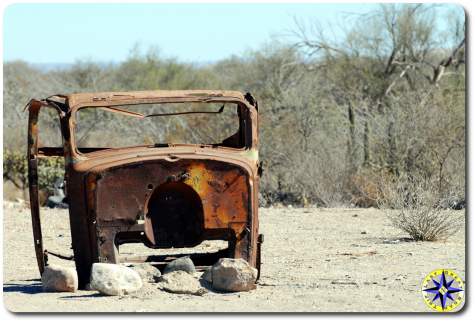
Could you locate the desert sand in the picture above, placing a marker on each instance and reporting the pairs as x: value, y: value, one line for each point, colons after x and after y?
x: 314, y: 260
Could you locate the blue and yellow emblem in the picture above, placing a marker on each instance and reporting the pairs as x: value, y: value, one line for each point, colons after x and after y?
x: 443, y: 290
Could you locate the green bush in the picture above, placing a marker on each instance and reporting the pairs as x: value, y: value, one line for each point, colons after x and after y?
x: 15, y: 169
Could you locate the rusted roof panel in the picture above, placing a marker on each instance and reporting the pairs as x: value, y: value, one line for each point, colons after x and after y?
x: 110, y: 97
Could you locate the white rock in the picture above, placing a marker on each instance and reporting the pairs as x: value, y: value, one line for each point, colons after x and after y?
x: 180, y: 282
x: 233, y: 275
x: 113, y: 279
x: 59, y: 279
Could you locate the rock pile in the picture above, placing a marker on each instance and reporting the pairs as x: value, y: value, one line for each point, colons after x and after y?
x: 179, y: 276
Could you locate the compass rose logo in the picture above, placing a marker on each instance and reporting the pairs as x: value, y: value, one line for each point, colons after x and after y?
x: 443, y: 290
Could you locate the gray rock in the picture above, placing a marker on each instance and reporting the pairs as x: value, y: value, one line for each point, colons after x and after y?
x: 56, y: 202
x: 58, y: 199
x: 113, y: 279
x: 208, y: 276
x: 59, y: 279
x: 180, y: 264
x: 147, y: 272
x: 180, y: 282
x: 233, y: 275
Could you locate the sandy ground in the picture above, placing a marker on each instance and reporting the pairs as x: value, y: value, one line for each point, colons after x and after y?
x: 324, y: 260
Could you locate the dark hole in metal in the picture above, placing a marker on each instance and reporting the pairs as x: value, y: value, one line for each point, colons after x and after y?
x: 175, y: 213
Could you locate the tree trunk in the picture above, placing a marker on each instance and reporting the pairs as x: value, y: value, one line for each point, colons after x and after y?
x: 351, y: 154
x: 392, y: 153
x: 366, y: 152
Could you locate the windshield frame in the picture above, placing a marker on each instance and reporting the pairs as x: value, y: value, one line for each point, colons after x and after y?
x: 246, y: 116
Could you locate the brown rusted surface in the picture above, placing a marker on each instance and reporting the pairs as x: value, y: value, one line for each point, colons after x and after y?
x: 33, y: 153
x: 169, y: 196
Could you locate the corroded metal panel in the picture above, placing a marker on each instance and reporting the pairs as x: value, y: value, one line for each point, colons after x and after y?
x: 168, y: 196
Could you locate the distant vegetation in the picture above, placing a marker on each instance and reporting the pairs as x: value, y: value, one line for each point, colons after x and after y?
x: 340, y: 121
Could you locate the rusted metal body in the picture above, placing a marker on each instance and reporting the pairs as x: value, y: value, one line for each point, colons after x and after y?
x: 185, y: 193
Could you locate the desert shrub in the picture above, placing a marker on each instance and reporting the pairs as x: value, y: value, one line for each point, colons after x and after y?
x: 50, y: 170
x: 332, y: 112
x: 428, y: 223
x: 364, y: 189
x: 417, y: 210
x: 15, y: 169
x: 369, y: 188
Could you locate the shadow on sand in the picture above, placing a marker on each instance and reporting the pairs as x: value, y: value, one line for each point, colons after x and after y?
x: 36, y: 287
x: 23, y: 288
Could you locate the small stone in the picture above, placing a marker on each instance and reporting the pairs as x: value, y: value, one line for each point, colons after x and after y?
x: 207, y: 276
x: 180, y: 282
x: 233, y: 275
x: 59, y: 279
x: 343, y: 282
x: 180, y: 264
x: 389, y: 241
x: 147, y: 272
x: 363, y: 232
x: 113, y: 279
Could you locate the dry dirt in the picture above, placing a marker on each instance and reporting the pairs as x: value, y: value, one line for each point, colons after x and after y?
x: 324, y: 260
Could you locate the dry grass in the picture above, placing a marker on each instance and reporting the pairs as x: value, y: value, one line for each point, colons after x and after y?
x: 418, y: 211
x: 426, y: 223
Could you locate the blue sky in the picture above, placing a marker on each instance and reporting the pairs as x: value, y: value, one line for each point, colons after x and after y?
x: 63, y: 33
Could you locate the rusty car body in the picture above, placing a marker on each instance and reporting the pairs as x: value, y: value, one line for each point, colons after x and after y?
x: 160, y: 195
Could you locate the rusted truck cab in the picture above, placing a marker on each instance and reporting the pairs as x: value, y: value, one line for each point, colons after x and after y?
x: 163, y: 195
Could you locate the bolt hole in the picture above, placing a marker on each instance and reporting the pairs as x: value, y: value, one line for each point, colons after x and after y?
x: 150, y: 186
